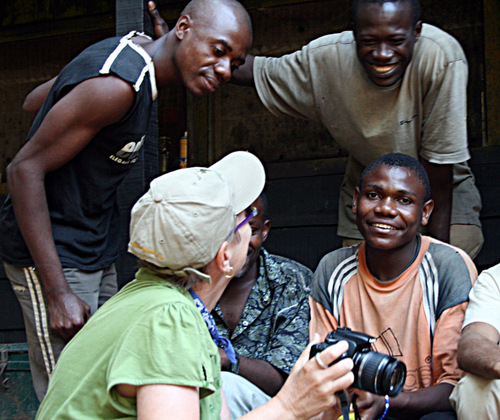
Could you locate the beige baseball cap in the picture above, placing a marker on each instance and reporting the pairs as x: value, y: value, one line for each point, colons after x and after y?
x: 186, y: 215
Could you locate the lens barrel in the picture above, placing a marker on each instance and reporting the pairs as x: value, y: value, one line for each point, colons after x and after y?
x: 378, y: 373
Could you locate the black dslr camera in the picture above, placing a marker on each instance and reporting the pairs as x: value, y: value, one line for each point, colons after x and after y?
x: 373, y: 372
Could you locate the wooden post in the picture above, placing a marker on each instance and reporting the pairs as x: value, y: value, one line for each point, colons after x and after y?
x: 492, y: 62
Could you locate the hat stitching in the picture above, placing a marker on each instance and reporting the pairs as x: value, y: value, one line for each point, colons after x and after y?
x: 146, y: 250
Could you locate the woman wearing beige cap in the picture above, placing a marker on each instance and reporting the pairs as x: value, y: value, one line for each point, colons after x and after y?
x: 147, y: 353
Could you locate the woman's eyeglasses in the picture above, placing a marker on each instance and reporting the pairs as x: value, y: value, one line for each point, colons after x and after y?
x: 253, y: 213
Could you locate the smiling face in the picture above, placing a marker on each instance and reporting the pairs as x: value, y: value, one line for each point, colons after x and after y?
x: 385, y: 38
x: 211, y: 48
x: 389, y: 208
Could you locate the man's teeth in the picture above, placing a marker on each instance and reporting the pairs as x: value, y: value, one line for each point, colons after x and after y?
x: 383, y: 69
x: 382, y: 226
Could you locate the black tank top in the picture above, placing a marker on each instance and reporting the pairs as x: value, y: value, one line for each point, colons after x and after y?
x: 82, y: 194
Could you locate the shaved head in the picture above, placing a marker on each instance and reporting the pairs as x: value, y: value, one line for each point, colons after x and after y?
x: 204, y: 11
x: 210, y: 40
x: 414, y: 4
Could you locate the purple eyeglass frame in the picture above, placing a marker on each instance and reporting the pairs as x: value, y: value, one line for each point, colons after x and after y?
x: 252, y: 214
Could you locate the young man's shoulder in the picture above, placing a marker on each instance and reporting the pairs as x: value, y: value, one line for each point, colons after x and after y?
x: 325, y: 48
x: 336, y: 39
x: 340, y: 259
x: 436, y: 43
x: 446, y: 254
x: 451, y: 270
x: 117, y: 56
x: 493, y: 274
x: 447, y: 260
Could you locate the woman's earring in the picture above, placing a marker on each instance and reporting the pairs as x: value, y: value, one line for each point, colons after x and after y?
x: 230, y: 273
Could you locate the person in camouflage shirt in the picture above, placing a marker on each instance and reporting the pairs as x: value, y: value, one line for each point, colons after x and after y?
x: 264, y: 311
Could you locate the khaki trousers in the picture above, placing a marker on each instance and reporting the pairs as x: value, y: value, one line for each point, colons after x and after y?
x: 44, y: 347
x: 476, y: 398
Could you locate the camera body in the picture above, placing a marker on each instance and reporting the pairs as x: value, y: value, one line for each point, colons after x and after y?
x: 374, y: 372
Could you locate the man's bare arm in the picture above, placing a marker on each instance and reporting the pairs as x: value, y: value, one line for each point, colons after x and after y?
x: 244, y: 75
x: 407, y: 405
x: 259, y: 372
x: 68, y: 127
x: 478, y: 350
x: 35, y: 99
x: 441, y: 180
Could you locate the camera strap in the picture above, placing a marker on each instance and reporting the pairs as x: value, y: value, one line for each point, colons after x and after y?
x: 344, y: 404
x: 357, y: 415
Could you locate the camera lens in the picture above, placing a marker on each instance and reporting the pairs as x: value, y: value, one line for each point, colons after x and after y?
x: 379, y: 373
x: 397, y: 378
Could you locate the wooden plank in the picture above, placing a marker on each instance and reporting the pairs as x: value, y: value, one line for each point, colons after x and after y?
x: 489, y: 254
x: 11, y: 317
x: 199, y: 127
x: 485, y: 164
x: 304, y: 201
x: 306, y: 168
x: 54, y: 27
x: 306, y: 245
x: 133, y: 14
x: 171, y: 9
x: 492, y: 64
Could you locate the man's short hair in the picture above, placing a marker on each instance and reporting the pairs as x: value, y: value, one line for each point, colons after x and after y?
x: 415, y: 6
x: 263, y: 199
x: 403, y: 161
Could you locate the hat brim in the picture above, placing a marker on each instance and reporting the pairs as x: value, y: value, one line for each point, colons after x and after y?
x: 245, y: 173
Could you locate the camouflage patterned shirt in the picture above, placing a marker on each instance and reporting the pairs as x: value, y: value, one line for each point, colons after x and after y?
x: 274, y: 323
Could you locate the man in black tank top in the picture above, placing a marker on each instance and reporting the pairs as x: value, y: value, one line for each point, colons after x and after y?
x: 58, y: 241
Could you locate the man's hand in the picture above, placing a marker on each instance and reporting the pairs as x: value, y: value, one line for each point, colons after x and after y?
x: 371, y: 406
x: 161, y: 27
x: 67, y: 314
x: 261, y: 373
x: 441, y: 180
x: 223, y: 358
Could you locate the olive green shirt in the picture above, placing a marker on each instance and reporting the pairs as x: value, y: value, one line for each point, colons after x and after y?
x: 149, y: 333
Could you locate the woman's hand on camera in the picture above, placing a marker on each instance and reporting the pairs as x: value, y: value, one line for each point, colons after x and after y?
x: 310, y: 388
